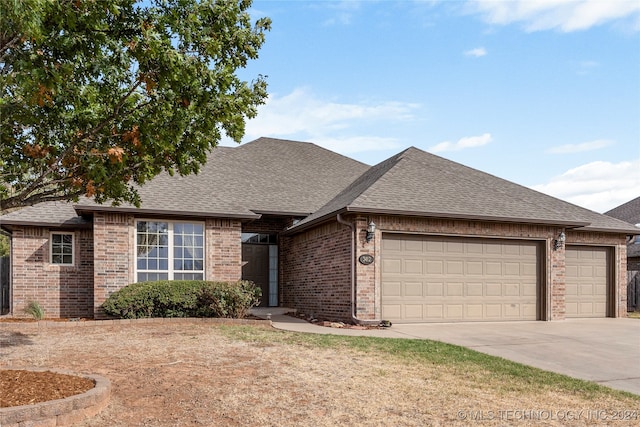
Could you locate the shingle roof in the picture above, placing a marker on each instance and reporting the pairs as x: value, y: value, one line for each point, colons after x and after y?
x: 272, y: 176
x: 48, y: 214
x: 263, y: 176
x: 629, y: 212
x: 418, y: 183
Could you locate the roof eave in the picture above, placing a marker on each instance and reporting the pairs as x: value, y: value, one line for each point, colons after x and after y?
x: 448, y: 215
x: 67, y: 224
x: 281, y: 213
x: 154, y: 212
x: 351, y: 209
x: 626, y: 231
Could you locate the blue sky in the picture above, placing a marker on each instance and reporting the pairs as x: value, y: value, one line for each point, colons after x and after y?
x: 542, y: 93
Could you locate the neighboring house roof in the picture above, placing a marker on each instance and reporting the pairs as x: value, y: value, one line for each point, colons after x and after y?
x: 265, y: 176
x: 629, y: 212
x: 418, y: 183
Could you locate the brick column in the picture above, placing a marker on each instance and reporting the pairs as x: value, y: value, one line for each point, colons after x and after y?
x: 113, y: 255
x: 367, y: 293
x: 224, y: 249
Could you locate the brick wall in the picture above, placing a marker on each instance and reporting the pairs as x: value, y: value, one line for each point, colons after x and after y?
x: 316, y: 272
x: 114, y: 238
x: 267, y: 225
x: 62, y: 291
x: 307, y: 256
x: 224, y: 249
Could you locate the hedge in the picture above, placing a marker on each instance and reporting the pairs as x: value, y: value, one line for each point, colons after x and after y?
x: 183, y: 298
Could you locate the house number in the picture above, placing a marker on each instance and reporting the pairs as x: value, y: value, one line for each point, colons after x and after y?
x: 365, y: 259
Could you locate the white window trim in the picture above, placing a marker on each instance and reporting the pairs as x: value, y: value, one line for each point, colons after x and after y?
x: 170, y: 271
x: 73, y: 248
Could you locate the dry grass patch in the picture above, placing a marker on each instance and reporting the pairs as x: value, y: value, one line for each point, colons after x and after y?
x: 195, y: 374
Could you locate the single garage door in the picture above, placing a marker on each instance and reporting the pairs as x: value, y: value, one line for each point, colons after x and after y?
x: 588, y: 281
x: 445, y: 279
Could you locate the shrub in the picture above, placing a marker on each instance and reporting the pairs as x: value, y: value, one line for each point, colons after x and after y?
x: 35, y: 309
x: 183, y: 298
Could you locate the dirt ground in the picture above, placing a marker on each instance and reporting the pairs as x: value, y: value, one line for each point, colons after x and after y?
x: 194, y: 375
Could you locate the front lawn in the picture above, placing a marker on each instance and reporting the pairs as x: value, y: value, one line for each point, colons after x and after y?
x: 196, y: 373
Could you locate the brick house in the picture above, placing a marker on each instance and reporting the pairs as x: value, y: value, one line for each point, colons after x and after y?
x: 416, y: 238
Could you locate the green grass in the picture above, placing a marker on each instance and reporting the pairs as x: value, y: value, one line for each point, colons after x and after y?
x: 633, y: 314
x: 503, y: 375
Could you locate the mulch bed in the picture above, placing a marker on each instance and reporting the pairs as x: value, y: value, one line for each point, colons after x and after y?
x: 21, y: 387
x: 338, y: 325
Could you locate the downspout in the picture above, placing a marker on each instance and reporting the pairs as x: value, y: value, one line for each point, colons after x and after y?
x: 353, y: 273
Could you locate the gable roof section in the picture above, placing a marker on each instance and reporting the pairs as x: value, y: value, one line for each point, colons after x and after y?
x: 265, y: 176
x: 629, y: 212
x: 418, y: 183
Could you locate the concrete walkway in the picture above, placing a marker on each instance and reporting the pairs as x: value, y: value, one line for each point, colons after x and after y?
x: 606, y: 351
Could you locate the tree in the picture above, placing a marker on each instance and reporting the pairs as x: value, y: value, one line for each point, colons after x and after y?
x: 4, y: 246
x: 99, y: 96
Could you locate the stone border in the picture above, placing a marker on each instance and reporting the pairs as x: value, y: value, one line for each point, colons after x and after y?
x: 60, y: 412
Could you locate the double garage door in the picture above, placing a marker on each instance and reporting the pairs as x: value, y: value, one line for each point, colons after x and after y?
x: 448, y: 279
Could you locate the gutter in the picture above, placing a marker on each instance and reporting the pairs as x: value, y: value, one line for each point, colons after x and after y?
x: 353, y: 273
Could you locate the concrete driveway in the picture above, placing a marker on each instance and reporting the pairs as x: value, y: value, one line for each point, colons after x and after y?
x: 606, y: 351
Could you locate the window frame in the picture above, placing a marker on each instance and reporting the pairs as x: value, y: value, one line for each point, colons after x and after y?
x: 73, y: 249
x: 170, y: 271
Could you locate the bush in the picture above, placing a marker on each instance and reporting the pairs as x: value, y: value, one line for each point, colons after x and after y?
x: 183, y: 298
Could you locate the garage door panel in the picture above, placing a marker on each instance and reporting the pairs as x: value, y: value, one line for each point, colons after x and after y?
x: 463, y: 279
x: 474, y: 268
x: 455, y: 267
x: 436, y: 247
x: 511, y: 289
x: 474, y: 311
x: 493, y: 289
x: 413, y: 311
x: 474, y: 289
x: 511, y: 269
x: 454, y: 289
x: 587, y: 281
x: 435, y: 289
x: 412, y: 266
x: 435, y: 267
x: 493, y: 311
x: 391, y: 265
x: 413, y: 289
x: 493, y: 268
x: 454, y: 311
x: 413, y: 246
x: 391, y: 311
x: 391, y: 289
x: 434, y: 312
x: 455, y: 247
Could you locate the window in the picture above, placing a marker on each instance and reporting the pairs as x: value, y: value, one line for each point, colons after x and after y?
x: 169, y: 251
x: 61, y: 248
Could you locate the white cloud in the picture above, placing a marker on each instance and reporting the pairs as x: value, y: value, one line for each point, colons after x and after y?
x: 462, y: 143
x: 334, y: 125
x: 477, y: 52
x: 563, y: 15
x: 578, y: 148
x: 599, y: 186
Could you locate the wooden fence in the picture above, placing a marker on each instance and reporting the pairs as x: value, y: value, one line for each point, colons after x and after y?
x: 633, y: 290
